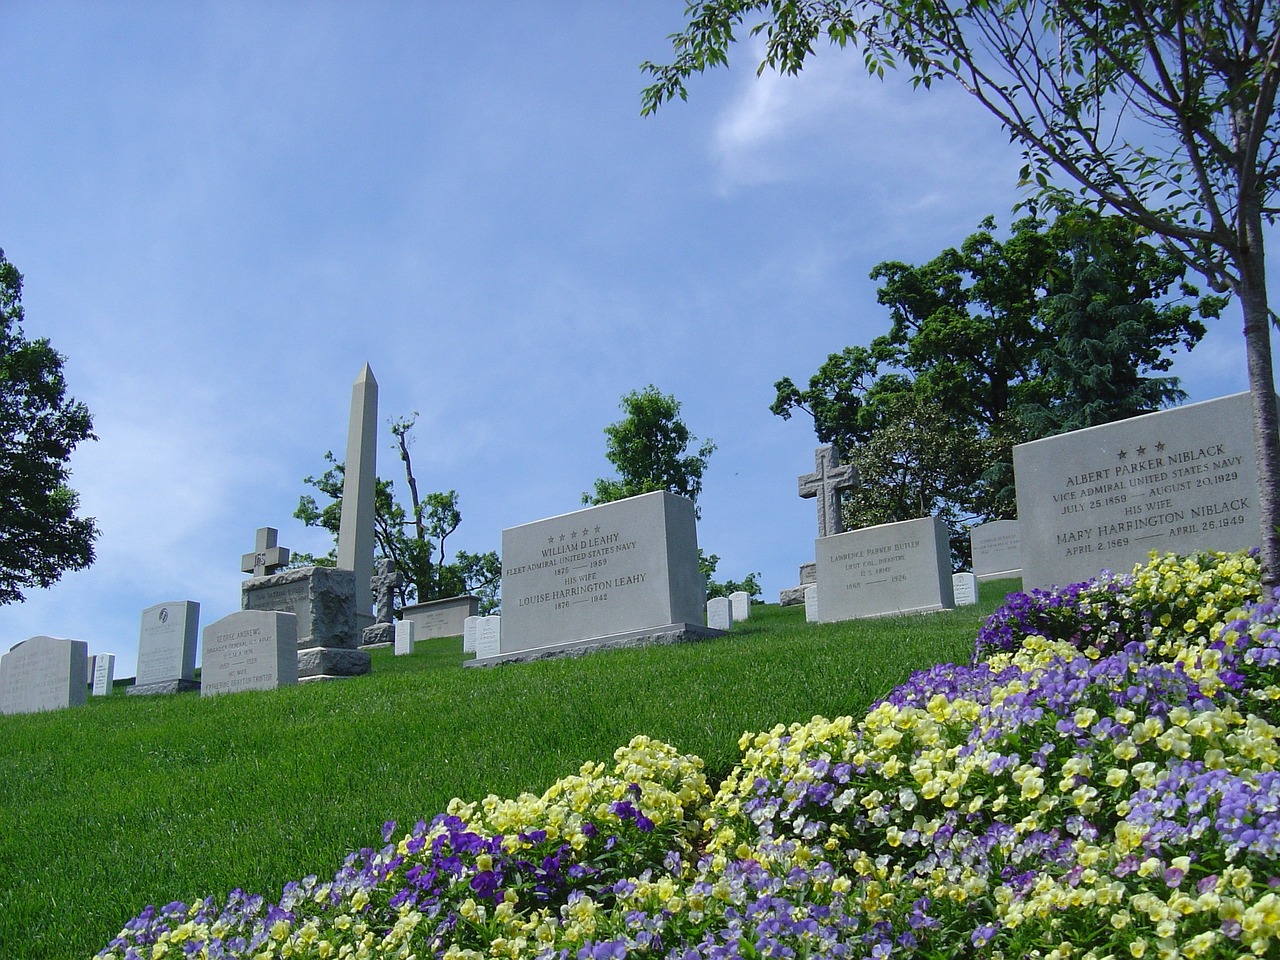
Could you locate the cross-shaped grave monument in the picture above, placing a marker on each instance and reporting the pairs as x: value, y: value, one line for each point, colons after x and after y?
x: 383, y: 584
x: 829, y: 479
x: 267, y: 558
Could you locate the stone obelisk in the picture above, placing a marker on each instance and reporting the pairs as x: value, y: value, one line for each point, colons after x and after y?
x: 355, y: 533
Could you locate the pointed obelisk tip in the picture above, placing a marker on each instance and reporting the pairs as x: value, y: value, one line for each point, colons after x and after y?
x: 366, y: 374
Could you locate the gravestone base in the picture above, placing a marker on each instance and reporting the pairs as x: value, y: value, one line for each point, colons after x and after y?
x: 163, y: 686
x: 670, y: 633
x: 378, y: 635
x: 331, y: 663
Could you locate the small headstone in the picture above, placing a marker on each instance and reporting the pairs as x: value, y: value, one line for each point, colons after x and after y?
x: 891, y: 568
x: 811, y: 612
x: 964, y: 586
x: 995, y: 549
x: 488, y: 637
x: 44, y: 673
x: 740, y: 604
x: 469, y: 634
x: 404, y: 638
x: 104, y: 673
x: 1180, y: 480
x: 719, y: 613
x: 249, y: 650
x: 441, y: 618
x: 267, y: 558
x: 167, y: 648
x: 620, y: 574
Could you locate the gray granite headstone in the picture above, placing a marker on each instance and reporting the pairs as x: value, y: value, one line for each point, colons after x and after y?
x: 249, y: 650
x: 323, y: 600
x: 811, y: 612
x: 740, y: 603
x: 103, y: 673
x: 619, y: 574
x: 488, y: 637
x: 886, y: 569
x: 995, y: 550
x: 829, y: 479
x: 1180, y: 480
x: 44, y: 673
x: 404, y: 638
x: 719, y: 613
x: 167, y: 648
x: 469, y: 634
x: 964, y: 587
x: 441, y: 618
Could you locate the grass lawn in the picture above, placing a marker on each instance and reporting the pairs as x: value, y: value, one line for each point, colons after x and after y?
x: 136, y: 800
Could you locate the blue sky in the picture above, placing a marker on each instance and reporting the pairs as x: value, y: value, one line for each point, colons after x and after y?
x: 223, y: 210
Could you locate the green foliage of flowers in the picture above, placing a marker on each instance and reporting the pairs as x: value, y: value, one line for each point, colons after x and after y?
x: 1059, y: 799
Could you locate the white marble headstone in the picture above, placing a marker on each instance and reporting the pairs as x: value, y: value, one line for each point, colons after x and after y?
x: 965, y: 588
x: 741, y: 603
x: 811, y: 612
x: 44, y: 673
x: 488, y: 637
x: 249, y: 650
x: 404, y: 637
x: 104, y: 673
x: 719, y: 613
x: 469, y: 634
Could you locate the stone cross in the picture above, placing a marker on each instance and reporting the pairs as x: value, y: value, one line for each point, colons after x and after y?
x: 355, y: 530
x: 825, y: 484
x: 267, y: 558
x: 383, y: 584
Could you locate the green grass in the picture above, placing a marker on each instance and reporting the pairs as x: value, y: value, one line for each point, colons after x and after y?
x: 136, y: 800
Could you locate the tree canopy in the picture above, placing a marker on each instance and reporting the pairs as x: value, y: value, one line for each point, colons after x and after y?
x: 1065, y: 324
x: 41, y: 537
x: 413, y: 539
x: 648, y: 448
x: 1164, y: 112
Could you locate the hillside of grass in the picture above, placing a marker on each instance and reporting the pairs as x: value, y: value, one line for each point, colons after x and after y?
x: 132, y: 801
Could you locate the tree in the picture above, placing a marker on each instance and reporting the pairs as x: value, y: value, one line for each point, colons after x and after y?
x: 994, y: 343
x: 1162, y: 111
x: 40, y: 535
x: 647, y: 448
x: 413, y: 539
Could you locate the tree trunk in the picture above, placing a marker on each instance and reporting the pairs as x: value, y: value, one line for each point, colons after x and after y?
x: 1266, y: 418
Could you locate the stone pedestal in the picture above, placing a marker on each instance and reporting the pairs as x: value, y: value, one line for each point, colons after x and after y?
x: 323, y: 598
x: 378, y: 635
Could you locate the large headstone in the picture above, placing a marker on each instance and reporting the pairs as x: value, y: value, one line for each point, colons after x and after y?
x: 441, y: 618
x: 249, y: 650
x: 44, y: 673
x: 356, y: 526
x: 167, y: 648
x: 1179, y: 480
x: 323, y: 600
x: 619, y: 574
x: 719, y: 613
x: 740, y: 603
x: 887, y: 569
x: 996, y: 551
x: 103, y: 673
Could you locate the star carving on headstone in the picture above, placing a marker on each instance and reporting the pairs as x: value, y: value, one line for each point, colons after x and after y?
x: 562, y: 538
x: 551, y: 539
x: 597, y: 528
x: 1123, y: 454
x: 1141, y: 451
x: 574, y: 535
x: 1160, y: 447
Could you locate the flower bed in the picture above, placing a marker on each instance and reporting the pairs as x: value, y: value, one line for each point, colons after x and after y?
x: 1100, y: 782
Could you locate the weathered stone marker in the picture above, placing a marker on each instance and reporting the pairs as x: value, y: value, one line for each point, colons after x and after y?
x: 323, y: 600
x: 267, y: 556
x: 829, y: 479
